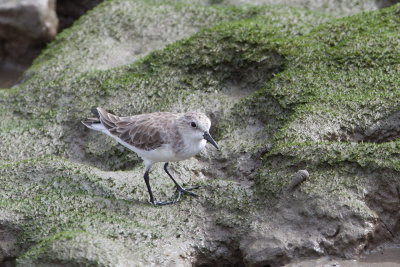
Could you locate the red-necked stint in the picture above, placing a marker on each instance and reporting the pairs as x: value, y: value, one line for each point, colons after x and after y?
x: 157, y: 137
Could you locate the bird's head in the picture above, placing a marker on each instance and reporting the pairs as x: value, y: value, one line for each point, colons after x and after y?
x: 196, y: 126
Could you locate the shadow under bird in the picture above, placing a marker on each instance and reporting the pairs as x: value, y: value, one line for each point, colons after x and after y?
x: 157, y: 137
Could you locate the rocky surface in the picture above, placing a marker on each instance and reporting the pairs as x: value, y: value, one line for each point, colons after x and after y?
x: 70, y: 10
x: 25, y: 28
x: 287, y: 89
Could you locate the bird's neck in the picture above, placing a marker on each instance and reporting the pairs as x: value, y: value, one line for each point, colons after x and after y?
x: 191, y: 147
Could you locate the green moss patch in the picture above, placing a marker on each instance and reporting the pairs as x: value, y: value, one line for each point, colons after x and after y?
x: 285, y: 88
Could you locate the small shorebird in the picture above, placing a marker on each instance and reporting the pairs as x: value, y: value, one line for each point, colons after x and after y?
x: 157, y: 137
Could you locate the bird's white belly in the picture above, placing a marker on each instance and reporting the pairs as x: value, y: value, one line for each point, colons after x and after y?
x: 165, y: 153
x: 162, y: 154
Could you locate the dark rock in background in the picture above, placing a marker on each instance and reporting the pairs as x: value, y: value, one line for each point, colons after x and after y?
x: 70, y: 10
x: 25, y: 28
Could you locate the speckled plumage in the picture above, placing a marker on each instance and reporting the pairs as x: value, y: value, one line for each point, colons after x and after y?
x: 145, y: 131
x: 156, y: 137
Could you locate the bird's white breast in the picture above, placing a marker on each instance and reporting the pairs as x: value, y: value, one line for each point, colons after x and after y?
x: 192, y: 148
x: 165, y: 153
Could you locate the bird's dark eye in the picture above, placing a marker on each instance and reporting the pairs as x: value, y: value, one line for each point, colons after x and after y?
x: 193, y: 124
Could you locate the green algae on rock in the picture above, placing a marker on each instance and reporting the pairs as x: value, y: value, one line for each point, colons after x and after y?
x: 282, y: 96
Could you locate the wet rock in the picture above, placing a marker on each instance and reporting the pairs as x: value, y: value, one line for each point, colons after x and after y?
x: 70, y: 10
x: 25, y: 27
x: 386, y: 3
x: 9, y: 248
x: 263, y: 251
x: 79, y: 249
x: 274, y: 88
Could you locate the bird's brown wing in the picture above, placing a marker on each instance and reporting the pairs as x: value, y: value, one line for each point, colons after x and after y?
x: 145, y: 131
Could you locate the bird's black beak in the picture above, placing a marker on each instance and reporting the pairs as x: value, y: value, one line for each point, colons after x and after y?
x: 208, y: 137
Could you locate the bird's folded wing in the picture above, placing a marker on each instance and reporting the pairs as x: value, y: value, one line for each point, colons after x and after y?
x: 139, y: 131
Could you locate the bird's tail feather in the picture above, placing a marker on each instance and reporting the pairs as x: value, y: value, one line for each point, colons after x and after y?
x: 104, y: 120
x: 93, y: 122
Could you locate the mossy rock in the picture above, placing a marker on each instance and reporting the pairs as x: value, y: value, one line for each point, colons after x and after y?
x: 319, y: 94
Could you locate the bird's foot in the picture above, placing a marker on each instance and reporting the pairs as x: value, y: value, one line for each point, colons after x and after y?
x: 187, y: 190
x: 181, y: 191
x: 162, y: 203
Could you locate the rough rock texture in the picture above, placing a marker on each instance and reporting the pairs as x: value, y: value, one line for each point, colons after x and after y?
x: 287, y: 89
x: 18, y: 48
x: 25, y: 28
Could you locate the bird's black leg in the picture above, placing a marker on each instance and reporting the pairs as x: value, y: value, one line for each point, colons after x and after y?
x: 178, y: 187
x: 155, y: 203
x: 146, y: 179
